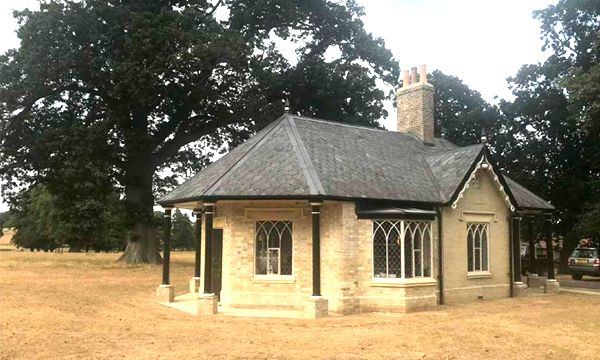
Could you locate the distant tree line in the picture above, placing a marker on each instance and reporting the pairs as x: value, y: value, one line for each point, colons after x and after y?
x: 44, y: 224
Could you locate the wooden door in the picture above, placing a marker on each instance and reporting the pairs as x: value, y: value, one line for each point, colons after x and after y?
x: 217, y: 262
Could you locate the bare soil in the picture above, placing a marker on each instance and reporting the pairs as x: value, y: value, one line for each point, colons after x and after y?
x: 87, y: 306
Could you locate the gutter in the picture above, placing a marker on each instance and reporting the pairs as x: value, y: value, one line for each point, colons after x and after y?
x: 441, y: 298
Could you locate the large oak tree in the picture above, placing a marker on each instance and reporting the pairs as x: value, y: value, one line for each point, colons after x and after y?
x: 161, y: 84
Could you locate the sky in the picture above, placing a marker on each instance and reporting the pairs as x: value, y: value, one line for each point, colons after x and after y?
x: 481, y: 42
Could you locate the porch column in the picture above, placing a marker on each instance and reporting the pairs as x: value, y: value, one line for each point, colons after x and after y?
x: 316, y: 306
x: 532, y: 259
x: 166, y: 247
x: 549, y: 246
x: 316, y: 248
x: 551, y: 286
x: 195, y: 281
x: 209, y: 209
x: 517, y: 249
x: 165, y: 292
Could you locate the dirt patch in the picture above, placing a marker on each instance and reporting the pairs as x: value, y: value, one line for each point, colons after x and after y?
x: 78, y: 306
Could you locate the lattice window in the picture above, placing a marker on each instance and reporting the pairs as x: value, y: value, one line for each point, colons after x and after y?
x: 402, y: 249
x: 273, y: 248
x: 477, y: 247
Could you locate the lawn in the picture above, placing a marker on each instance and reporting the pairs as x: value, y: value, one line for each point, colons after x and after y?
x: 87, y: 306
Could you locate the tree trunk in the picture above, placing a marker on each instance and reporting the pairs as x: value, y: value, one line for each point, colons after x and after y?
x: 142, y: 246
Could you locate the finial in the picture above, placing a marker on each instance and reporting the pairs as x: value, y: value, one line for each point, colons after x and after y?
x: 483, y: 136
x: 286, y: 108
x: 443, y: 132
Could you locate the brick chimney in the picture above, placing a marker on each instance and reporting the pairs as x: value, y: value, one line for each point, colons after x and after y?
x: 415, y: 105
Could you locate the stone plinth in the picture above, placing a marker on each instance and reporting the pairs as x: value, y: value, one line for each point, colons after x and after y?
x: 165, y: 294
x: 207, y: 304
x: 519, y: 289
x: 194, y: 285
x: 316, y: 307
x: 536, y: 284
x: 551, y: 287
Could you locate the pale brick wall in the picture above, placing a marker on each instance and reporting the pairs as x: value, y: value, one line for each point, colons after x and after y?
x: 415, y: 109
x: 346, y: 256
x: 483, y: 204
x: 239, y: 285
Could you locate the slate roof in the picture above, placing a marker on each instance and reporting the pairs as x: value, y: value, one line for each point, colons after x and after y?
x: 299, y: 157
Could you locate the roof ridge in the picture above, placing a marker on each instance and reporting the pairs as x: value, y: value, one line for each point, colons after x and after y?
x: 454, y: 149
x: 333, y: 122
x: 268, y: 131
x: 433, y: 178
x: 362, y: 127
x: 311, y: 175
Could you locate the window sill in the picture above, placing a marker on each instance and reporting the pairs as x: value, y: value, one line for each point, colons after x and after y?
x: 479, y: 275
x: 273, y: 279
x: 403, y: 283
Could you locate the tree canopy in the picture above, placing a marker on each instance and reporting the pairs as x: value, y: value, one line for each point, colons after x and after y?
x: 132, y: 88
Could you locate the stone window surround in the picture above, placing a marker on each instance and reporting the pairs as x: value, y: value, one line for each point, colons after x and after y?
x: 403, y: 282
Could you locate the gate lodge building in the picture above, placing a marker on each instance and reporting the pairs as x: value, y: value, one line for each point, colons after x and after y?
x: 330, y: 217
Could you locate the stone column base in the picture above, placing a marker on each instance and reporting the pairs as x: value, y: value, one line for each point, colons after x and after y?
x: 316, y: 307
x: 551, y: 287
x: 536, y: 284
x: 207, y: 304
x: 165, y: 294
x: 519, y: 289
x: 194, y: 285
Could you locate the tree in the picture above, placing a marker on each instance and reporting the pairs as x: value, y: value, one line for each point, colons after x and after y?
x: 4, y: 221
x: 461, y: 112
x: 182, y: 232
x: 553, y: 142
x: 45, y: 221
x: 158, y: 84
x: 32, y: 219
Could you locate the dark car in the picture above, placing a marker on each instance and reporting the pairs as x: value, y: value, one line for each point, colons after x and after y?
x: 584, y: 261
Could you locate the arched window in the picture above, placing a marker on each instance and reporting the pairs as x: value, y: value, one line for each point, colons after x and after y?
x: 402, y: 249
x: 274, y: 254
x: 477, y: 247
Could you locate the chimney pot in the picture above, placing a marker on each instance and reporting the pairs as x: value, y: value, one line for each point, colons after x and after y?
x: 413, y: 75
x: 405, y: 81
x: 423, y: 74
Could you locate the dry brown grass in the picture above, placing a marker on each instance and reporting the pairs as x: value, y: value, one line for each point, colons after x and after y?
x: 77, y: 306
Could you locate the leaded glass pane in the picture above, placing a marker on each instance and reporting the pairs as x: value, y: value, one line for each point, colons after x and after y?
x: 394, y: 261
x: 379, y: 251
x: 261, y: 250
x: 470, y: 249
x: 286, y: 251
x: 273, y: 264
x: 484, y: 249
x: 427, y: 252
x: 408, y: 252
